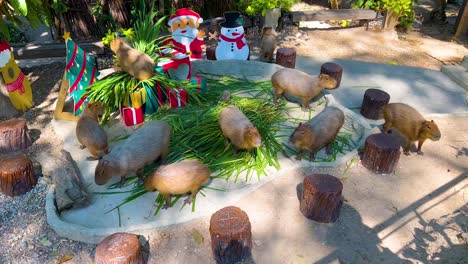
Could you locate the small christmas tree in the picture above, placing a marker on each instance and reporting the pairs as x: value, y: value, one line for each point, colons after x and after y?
x: 81, y: 71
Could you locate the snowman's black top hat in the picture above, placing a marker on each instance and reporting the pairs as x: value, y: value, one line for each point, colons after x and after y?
x: 232, y: 20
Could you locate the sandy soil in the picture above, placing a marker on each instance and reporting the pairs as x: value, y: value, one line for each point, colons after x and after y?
x: 435, y: 238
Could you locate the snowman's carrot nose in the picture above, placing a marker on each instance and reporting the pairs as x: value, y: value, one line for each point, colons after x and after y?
x: 235, y: 34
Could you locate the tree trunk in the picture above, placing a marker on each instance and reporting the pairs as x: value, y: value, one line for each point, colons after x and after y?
x: 79, y: 21
x: 334, y: 70
x: 391, y: 19
x: 321, y: 198
x: 119, y: 248
x: 286, y: 57
x: 14, y: 135
x: 381, y: 153
x: 462, y: 22
x: 119, y: 12
x: 373, y: 103
x: 16, y: 175
x: 231, y: 237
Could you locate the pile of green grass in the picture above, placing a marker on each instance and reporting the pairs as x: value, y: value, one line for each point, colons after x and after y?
x: 196, y: 134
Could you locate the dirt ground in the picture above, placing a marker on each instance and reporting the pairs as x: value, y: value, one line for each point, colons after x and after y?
x: 25, y: 236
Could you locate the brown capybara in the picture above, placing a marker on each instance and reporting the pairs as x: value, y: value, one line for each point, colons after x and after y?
x: 89, y: 133
x: 238, y: 129
x: 267, y: 44
x: 143, y: 147
x: 300, y: 84
x: 178, y: 178
x: 411, y: 124
x: 136, y: 63
x: 318, y: 132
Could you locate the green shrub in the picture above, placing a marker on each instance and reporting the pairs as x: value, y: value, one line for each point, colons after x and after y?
x: 403, y: 8
x: 257, y: 7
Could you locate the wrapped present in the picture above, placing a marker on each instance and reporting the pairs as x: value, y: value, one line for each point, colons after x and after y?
x: 177, y: 97
x: 176, y: 65
x: 132, y: 116
x: 137, y: 98
x: 152, y: 102
x: 161, y: 94
x: 200, y: 82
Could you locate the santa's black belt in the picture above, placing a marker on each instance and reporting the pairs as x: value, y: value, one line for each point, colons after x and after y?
x: 196, y: 52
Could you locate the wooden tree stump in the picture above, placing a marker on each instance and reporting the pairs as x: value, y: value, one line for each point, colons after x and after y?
x: 14, y: 135
x: 16, y: 175
x: 231, y: 237
x: 321, y: 198
x: 381, y: 153
x: 334, y: 70
x: 211, y: 53
x: 119, y: 248
x: 373, y: 103
x: 286, y: 57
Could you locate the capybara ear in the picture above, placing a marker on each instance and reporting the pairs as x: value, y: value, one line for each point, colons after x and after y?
x: 432, y: 121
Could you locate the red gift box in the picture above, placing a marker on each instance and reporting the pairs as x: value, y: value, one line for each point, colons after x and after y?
x: 200, y: 82
x: 132, y: 116
x: 177, y: 97
x: 177, y: 66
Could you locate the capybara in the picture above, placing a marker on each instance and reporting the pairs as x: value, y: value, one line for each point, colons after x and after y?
x: 318, y: 132
x: 411, y: 124
x: 238, y: 129
x: 89, y: 133
x: 143, y: 147
x: 300, y: 84
x: 136, y: 63
x: 267, y: 44
x: 178, y: 178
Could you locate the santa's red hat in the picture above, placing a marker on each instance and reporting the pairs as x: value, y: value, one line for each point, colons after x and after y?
x: 4, y: 46
x: 184, y: 13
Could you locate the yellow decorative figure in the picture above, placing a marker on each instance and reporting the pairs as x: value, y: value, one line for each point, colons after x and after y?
x: 17, y: 84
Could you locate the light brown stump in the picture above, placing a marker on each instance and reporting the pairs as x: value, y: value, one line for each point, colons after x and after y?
x: 211, y: 53
x: 231, y: 237
x: 381, y: 153
x: 14, y: 135
x: 119, y: 248
x: 334, y: 70
x: 373, y: 103
x: 286, y: 57
x: 321, y: 198
x: 16, y: 175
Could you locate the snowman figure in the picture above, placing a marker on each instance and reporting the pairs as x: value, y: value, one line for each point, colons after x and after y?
x: 232, y: 44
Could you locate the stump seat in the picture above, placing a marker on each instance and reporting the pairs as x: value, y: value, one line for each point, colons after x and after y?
x: 286, y: 57
x: 373, y: 103
x: 334, y: 70
x: 321, y: 198
x: 14, y: 135
x: 231, y: 237
x: 17, y: 175
x: 381, y: 153
x: 119, y: 248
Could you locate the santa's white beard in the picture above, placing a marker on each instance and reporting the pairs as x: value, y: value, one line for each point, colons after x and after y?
x: 185, y: 38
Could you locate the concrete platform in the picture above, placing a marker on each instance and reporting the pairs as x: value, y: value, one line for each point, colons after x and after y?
x: 92, y: 223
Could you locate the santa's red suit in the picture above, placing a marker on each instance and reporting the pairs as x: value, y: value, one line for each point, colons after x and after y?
x: 195, y: 47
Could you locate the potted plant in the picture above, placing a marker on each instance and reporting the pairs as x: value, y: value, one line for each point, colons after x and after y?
x: 270, y: 9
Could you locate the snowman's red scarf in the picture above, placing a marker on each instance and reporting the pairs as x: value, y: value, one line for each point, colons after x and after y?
x: 238, y: 40
x: 16, y: 84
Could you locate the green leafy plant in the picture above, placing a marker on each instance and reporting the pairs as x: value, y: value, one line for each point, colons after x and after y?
x: 401, y: 10
x: 36, y: 12
x: 128, y: 33
x: 257, y: 7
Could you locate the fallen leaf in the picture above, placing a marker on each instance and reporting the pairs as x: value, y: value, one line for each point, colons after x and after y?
x: 199, y: 239
x: 65, y: 258
x: 300, y: 256
x: 344, y: 179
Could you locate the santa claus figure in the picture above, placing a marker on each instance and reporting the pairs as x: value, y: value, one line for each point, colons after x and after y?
x: 186, y: 37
